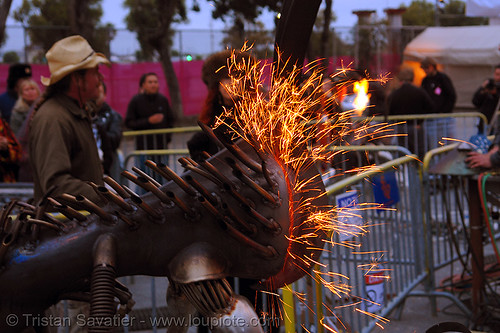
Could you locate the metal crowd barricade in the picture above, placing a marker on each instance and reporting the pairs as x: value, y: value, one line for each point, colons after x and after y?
x: 446, y: 222
x: 167, y: 155
x: 15, y: 191
x: 428, y: 131
x: 394, y: 239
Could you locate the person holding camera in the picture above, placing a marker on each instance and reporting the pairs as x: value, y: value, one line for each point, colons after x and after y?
x: 486, y: 97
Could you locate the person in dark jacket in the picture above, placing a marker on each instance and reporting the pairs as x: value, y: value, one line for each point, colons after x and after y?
x: 150, y: 110
x: 408, y: 99
x: 108, y: 126
x: 439, y: 87
x: 17, y: 72
x: 486, y: 97
x: 215, y: 75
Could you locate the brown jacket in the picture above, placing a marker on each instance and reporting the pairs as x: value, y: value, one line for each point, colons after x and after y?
x: 63, y: 150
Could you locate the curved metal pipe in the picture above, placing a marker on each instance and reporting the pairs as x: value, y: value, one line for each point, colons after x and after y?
x: 145, y: 184
x: 202, y: 173
x: 145, y: 207
x: 213, y: 170
x: 145, y: 175
x: 117, y: 187
x: 9, y: 238
x: 201, y: 189
x: 88, y: 205
x: 110, y: 196
x: 45, y: 224
x: 241, y: 175
x: 67, y: 211
x: 179, y: 203
x: 169, y: 174
x: 243, y: 157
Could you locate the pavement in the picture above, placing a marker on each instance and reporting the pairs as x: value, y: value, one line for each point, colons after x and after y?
x: 416, y: 315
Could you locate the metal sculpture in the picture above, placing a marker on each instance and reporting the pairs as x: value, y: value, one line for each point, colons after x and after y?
x: 232, y: 215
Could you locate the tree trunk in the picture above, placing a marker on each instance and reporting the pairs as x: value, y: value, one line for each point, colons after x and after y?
x: 172, y: 81
x: 78, y: 19
x: 4, y: 12
x: 325, y: 34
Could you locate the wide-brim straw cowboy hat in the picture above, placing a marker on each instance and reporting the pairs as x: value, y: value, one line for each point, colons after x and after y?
x: 68, y: 55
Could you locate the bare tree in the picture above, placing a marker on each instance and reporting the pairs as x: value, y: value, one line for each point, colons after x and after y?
x: 4, y: 13
x: 325, y: 33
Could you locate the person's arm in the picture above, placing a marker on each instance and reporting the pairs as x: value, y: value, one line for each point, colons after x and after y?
x: 495, y: 159
x: 115, y: 129
x: 134, y: 120
x: 489, y: 160
x: 479, y: 96
x: 427, y: 102
x: 168, y: 113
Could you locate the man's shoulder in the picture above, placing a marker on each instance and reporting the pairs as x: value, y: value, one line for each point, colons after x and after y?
x: 52, y: 110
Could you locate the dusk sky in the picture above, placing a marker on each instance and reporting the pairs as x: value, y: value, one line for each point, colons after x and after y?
x: 115, y: 13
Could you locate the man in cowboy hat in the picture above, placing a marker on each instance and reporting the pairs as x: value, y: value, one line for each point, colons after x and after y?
x: 63, y: 151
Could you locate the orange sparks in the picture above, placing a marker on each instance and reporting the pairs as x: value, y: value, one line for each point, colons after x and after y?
x: 285, y: 121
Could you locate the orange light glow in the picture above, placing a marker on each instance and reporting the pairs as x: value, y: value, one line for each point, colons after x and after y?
x: 362, y: 97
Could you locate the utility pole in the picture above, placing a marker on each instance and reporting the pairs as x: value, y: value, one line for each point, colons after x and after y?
x: 436, y: 13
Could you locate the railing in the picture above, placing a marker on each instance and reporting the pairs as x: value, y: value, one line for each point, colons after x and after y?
x: 422, y: 133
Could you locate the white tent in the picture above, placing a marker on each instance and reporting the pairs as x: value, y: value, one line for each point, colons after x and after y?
x: 467, y: 54
x: 487, y: 8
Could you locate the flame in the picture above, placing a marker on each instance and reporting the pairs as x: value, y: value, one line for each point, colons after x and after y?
x: 283, y: 120
x: 362, y: 97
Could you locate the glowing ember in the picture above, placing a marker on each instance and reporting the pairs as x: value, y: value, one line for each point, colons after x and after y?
x: 285, y: 120
x: 362, y: 97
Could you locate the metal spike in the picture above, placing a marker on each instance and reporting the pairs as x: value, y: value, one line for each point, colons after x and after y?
x: 203, y: 173
x: 6, y: 212
x: 209, y: 131
x: 145, y: 184
x: 45, y: 224
x: 145, y: 175
x: 201, y: 189
x: 145, y: 207
x: 248, y: 227
x: 236, y: 194
x: 171, y: 195
x: 117, y: 187
x: 233, y: 149
x: 188, y: 160
x: 69, y: 212
x: 110, y: 196
x: 240, y: 174
x: 270, y: 224
x: 213, y: 170
x: 167, y: 172
x: 212, y: 210
x: 267, y: 251
x: 9, y: 238
x: 120, y: 215
x: 88, y: 205
x: 267, y: 177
